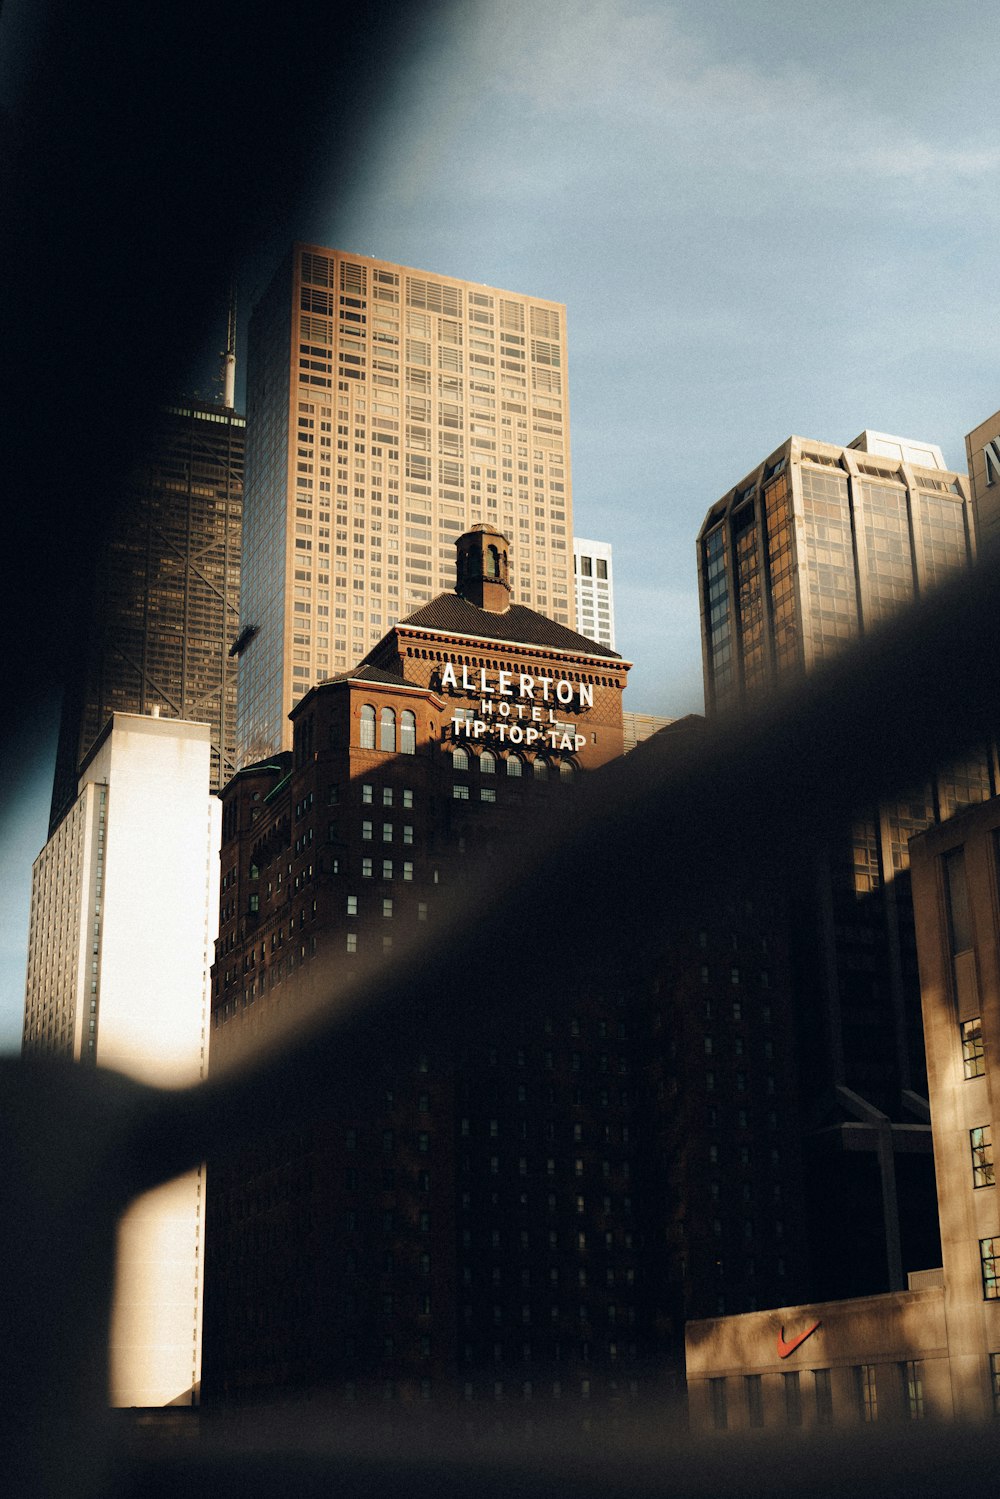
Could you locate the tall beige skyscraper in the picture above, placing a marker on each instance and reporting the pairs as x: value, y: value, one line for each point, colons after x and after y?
x: 388, y: 411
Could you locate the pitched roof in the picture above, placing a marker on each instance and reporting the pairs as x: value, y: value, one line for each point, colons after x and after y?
x: 280, y: 763
x: 452, y: 614
x: 365, y: 673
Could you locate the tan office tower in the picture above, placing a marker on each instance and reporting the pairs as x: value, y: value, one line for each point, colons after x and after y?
x: 982, y: 447
x: 388, y: 411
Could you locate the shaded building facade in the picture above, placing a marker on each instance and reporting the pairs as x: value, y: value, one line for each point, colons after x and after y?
x: 931, y: 1352
x: 389, y: 410
x: 525, y: 1214
x: 165, y: 605
x: 811, y: 550
x: 434, y: 1242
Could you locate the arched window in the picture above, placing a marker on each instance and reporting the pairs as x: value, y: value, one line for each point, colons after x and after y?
x: 487, y: 763
x: 492, y: 562
x: 407, y: 732
x: 367, y: 727
x: 513, y: 764
x: 387, y: 729
x: 459, y: 758
x: 541, y: 769
x: 567, y: 770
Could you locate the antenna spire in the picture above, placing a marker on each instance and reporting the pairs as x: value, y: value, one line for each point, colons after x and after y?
x: 229, y: 358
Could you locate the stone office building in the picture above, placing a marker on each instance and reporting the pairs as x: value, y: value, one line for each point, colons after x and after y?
x: 933, y: 1350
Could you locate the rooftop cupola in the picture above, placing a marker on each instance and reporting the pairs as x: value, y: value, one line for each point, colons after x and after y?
x: 484, y: 569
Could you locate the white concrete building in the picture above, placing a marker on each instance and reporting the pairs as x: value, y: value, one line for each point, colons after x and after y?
x: 124, y: 914
x: 595, y: 593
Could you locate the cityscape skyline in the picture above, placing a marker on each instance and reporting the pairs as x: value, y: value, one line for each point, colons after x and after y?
x: 715, y: 272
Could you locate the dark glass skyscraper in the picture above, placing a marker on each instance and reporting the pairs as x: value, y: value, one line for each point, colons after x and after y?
x: 166, y: 595
x: 814, y: 548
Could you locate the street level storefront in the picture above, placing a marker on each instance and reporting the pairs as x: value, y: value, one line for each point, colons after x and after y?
x: 873, y: 1358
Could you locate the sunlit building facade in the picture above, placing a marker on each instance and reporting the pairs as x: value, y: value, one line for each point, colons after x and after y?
x: 165, y: 606
x: 814, y: 548
x: 389, y: 409
x: 124, y: 910
x: 593, y: 581
x: 982, y: 448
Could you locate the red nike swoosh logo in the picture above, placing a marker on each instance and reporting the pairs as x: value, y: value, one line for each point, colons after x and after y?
x: 784, y: 1349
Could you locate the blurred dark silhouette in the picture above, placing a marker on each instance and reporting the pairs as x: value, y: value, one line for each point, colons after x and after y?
x: 144, y: 152
x: 144, y: 158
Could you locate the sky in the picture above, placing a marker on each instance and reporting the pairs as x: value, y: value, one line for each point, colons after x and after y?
x: 763, y: 219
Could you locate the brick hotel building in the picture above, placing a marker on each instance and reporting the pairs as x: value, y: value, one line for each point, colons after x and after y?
x: 369, y: 1258
x: 524, y: 1214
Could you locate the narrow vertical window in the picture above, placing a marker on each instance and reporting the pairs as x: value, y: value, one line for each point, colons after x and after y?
x: 717, y: 1391
x: 793, y: 1399
x: 824, y: 1397
x: 367, y: 740
x: 981, y: 1143
x: 973, y: 1059
x: 956, y: 889
x: 995, y: 1382
x: 755, y: 1401
x: 387, y: 729
x: 407, y: 733
x: 912, y: 1377
x: 867, y: 1389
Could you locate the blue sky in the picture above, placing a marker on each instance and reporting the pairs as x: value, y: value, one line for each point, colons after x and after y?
x: 763, y: 219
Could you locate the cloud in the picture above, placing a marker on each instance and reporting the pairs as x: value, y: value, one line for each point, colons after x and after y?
x: 606, y: 97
